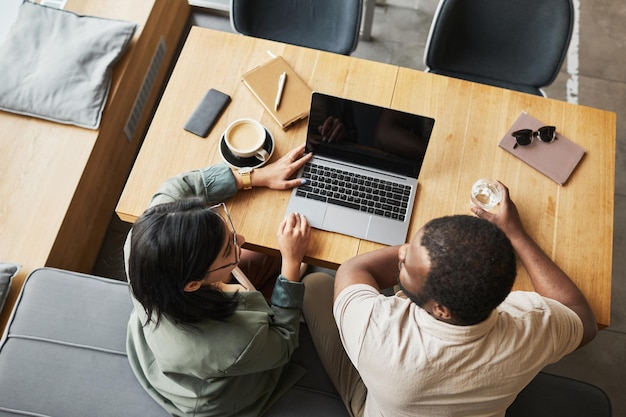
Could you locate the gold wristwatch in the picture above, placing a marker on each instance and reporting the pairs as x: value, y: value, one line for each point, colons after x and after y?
x: 245, y: 177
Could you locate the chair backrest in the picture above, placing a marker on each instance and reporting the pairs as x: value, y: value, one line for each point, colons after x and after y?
x: 514, y: 41
x: 328, y: 25
x: 550, y: 395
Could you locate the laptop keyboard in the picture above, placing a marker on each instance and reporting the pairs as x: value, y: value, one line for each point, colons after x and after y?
x: 355, y: 191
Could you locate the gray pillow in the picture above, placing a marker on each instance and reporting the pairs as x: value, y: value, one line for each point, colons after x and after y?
x: 7, y: 272
x: 57, y: 65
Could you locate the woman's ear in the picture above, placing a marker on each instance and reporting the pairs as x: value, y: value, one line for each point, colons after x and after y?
x: 192, y: 286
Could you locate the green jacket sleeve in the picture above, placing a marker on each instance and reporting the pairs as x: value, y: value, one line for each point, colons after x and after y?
x: 273, y: 343
x: 215, y: 183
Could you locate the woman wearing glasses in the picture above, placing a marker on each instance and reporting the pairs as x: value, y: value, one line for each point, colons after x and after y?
x: 200, y: 344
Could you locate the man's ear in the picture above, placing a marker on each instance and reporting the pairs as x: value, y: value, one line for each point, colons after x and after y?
x: 441, y: 312
x: 192, y: 286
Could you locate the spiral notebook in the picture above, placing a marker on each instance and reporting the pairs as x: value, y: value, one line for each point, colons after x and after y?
x: 556, y: 160
x: 296, y: 97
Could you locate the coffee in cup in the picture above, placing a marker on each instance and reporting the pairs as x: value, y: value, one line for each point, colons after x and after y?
x: 245, y: 138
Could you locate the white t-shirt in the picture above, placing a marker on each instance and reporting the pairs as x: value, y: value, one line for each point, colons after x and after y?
x: 415, y: 365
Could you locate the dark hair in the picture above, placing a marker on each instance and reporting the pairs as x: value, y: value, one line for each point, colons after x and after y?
x: 472, y: 266
x: 171, y: 245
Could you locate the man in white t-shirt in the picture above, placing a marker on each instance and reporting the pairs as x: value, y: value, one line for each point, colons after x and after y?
x: 455, y: 341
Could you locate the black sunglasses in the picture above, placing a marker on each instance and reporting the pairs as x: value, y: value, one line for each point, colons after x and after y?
x: 524, y: 137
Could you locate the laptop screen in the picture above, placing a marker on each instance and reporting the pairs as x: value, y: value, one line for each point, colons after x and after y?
x: 367, y: 135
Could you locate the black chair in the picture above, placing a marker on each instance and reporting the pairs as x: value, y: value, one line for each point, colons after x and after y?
x: 556, y: 396
x: 327, y: 25
x: 514, y: 44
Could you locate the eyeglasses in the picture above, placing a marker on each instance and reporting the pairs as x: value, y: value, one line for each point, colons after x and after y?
x: 222, y: 211
x: 524, y: 137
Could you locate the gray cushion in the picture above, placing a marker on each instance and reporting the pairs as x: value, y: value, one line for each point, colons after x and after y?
x: 7, y: 272
x: 314, y: 395
x: 57, y: 65
x: 550, y: 395
x: 64, y: 352
x: 64, y: 355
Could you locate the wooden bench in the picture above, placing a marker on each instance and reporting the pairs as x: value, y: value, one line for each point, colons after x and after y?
x: 60, y: 183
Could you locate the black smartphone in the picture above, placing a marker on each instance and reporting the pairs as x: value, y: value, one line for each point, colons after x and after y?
x: 207, y: 112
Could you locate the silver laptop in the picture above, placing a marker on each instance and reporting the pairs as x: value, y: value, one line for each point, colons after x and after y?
x: 362, y: 178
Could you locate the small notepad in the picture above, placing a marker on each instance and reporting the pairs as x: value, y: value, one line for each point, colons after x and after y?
x: 557, y: 160
x: 296, y: 98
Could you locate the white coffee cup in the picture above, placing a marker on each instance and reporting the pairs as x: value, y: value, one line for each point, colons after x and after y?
x: 245, y: 138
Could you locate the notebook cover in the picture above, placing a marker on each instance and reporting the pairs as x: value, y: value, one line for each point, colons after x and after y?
x: 556, y: 160
x: 296, y: 98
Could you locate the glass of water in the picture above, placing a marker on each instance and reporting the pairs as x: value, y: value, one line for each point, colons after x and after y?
x: 486, y: 193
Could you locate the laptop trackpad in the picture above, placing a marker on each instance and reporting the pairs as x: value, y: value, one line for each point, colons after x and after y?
x: 346, y: 221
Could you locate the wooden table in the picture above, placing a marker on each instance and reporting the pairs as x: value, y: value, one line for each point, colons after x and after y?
x: 60, y: 183
x: 572, y: 223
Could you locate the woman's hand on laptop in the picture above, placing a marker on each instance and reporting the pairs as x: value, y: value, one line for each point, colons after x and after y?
x: 279, y: 175
x: 293, y: 235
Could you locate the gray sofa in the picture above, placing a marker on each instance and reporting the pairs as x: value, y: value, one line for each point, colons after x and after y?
x: 63, y: 354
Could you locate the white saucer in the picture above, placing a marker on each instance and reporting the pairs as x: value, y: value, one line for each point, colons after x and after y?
x: 251, y: 162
